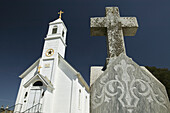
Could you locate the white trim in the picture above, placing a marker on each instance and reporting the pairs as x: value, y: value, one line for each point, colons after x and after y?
x: 30, y: 69
x: 48, y: 59
x: 79, y: 76
x: 42, y: 78
x: 36, y: 87
x: 55, y: 37
x: 58, y: 21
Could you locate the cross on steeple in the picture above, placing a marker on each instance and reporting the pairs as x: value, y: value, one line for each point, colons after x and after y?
x: 114, y: 27
x: 60, y: 13
x: 39, y: 67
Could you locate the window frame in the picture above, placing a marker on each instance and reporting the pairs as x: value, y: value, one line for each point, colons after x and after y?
x: 54, y: 30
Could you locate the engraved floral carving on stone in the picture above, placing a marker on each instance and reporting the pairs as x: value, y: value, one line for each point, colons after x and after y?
x: 127, y: 87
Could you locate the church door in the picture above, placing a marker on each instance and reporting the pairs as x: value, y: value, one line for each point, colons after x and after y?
x: 34, y: 99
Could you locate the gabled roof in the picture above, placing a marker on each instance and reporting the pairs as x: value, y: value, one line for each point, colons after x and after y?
x: 30, y: 69
x: 45, y: 80
x: 67, y: 65
x: 56, y: 21
x: 40, y: 77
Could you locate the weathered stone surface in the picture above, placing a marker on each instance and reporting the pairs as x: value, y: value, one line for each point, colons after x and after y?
x: 114, y: 27
x: 95, y: 72
x: 125, y: 87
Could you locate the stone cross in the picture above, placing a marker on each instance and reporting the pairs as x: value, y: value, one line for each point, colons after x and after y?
x: 114, y: 27
x: 124, y: 87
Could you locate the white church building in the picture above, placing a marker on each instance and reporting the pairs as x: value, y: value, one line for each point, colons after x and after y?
x: 51, y: 84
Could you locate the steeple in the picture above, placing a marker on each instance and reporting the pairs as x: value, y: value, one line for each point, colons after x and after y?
x: 55, y: 41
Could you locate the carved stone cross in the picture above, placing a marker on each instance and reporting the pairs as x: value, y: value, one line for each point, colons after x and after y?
x: 114, y: 27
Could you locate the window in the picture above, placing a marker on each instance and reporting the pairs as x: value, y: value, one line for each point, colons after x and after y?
x: 79, y: 104
x: 86, y: 105
x: 54, y: 31
x: 38, y: 83
x: 26, y: 94
x: 42, y: 94
x: 63, y: 33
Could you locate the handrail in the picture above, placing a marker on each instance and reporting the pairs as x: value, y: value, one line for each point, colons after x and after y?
x: 15, y: 105
x: 12, y: 108
x: 34, y: 109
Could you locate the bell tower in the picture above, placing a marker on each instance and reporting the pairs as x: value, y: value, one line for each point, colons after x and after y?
x: 55, y: 44
x: 55, y: 41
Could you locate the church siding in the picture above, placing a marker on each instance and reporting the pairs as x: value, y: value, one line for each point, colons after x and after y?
x: 47, y: 70
x: 46, y: 104
x: 82, y: 108
x: 62, y: 92
x: 23, y: 90
x: 50, y: 44
x: 30, y: 75
x: 61, y: 82
x: 18, y: 100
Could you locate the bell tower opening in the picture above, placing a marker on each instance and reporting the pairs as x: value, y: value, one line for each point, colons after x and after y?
x: 63, y: 33
x: 54, y: 31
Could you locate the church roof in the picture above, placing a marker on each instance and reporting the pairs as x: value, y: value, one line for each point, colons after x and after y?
x: 40, y: 77
x: 30, y: 69
x: 66, y: 65
x: 45, y: 80
x: 57, y: 22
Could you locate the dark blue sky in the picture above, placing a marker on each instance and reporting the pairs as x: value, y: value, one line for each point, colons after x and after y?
x: 24, y: 25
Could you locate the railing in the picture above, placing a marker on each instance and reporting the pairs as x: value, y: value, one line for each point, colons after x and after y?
x: 16, y: 108
x: 13, y: 109
x: 34, y: 109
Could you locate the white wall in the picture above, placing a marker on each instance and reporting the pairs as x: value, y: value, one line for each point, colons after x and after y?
x: 62, y: 92
x: 66, y: 96
x: 79, y: 102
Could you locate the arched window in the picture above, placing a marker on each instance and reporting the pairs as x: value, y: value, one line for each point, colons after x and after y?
x: 38, y: 83
x: 54, y: 31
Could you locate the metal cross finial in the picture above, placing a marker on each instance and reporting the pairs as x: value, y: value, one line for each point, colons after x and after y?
x: 39, y: 67
x: 60, y: 13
